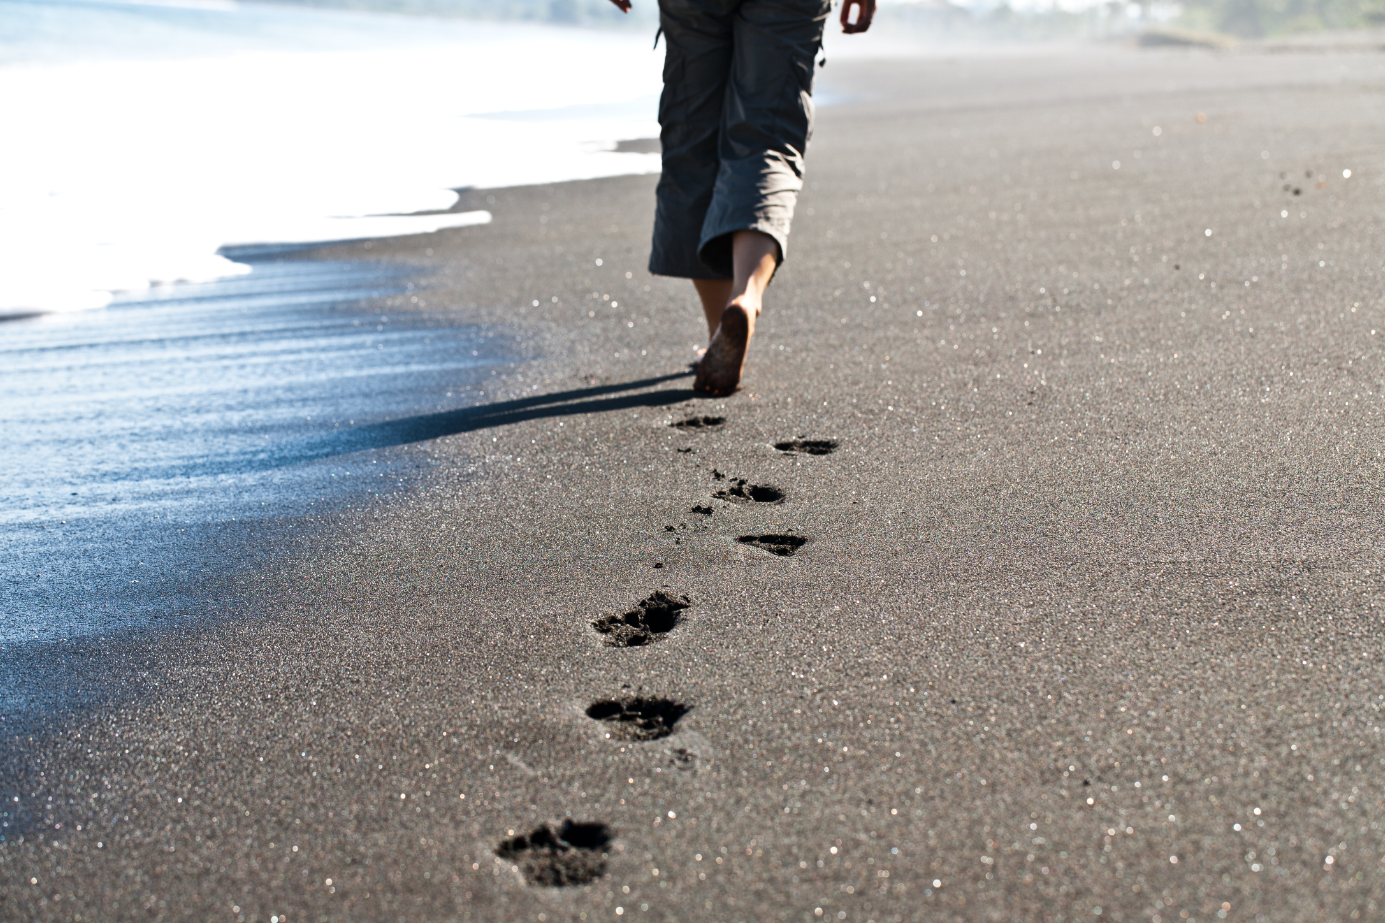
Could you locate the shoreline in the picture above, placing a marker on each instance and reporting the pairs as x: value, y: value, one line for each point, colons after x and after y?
x: 136, y: 434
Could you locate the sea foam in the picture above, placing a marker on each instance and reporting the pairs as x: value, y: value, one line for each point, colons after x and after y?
x: 135, y: 166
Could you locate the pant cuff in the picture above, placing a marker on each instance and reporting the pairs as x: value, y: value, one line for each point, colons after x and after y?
x: 715, y: 249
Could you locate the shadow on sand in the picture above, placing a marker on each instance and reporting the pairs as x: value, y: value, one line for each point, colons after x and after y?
x: 423, y: 427
x: 46, y: 683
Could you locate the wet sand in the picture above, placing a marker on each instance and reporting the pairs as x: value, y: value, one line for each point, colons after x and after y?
x: 136, y: 433
x: 1085, y: 614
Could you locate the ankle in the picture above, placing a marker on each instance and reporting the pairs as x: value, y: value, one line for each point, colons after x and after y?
x: 746, y: 303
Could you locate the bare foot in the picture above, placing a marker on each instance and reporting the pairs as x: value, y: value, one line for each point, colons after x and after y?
x: 719, y: 372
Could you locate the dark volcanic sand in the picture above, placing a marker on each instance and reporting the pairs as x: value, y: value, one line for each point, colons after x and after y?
x: 1092, y: 577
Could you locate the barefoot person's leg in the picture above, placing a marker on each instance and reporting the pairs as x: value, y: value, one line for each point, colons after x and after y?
x: 754, y: 259
x: 735, y: 118
x: 715, y: 295
x: 698, y: 46
x: 766, y: 123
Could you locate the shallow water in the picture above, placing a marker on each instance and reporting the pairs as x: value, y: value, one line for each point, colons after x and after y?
x: 131, y: 428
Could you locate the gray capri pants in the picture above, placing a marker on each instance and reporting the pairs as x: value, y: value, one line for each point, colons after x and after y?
x: 735, y: 118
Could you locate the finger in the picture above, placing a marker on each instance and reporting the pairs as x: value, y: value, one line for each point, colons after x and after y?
x: 867, y: 15
x: 847, y: 6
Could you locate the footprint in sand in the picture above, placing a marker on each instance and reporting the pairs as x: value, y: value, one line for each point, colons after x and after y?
x: 807, y: 446
x: 699, y: 423
x: 573, y: 853
x: 655, y: 615
x: 783, y: 545
x: 738, y: 490
x: 638, y: 717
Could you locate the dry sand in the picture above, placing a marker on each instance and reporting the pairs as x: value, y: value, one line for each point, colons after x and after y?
x: 1085, y: 623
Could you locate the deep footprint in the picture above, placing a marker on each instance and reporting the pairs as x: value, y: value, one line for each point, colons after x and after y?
x: 573, y: 854
x: 807, y: 446
x: 782, y: 545
x: 699, y: 423
x: 638, y: 718
x: 656, y: 615
x: 738, y: 491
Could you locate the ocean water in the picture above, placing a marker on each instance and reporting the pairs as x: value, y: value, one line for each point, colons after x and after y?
x: 158, y: 446
x: 142, y: 138
x: 133, y: 433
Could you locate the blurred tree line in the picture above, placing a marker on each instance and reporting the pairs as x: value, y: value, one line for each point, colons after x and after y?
x: 1241, y: 18
x: 1258, y: 18
x: 979, y: 18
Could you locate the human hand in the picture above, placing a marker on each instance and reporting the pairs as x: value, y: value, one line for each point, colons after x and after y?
x: 865, y: 12
x: 622, y: 5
